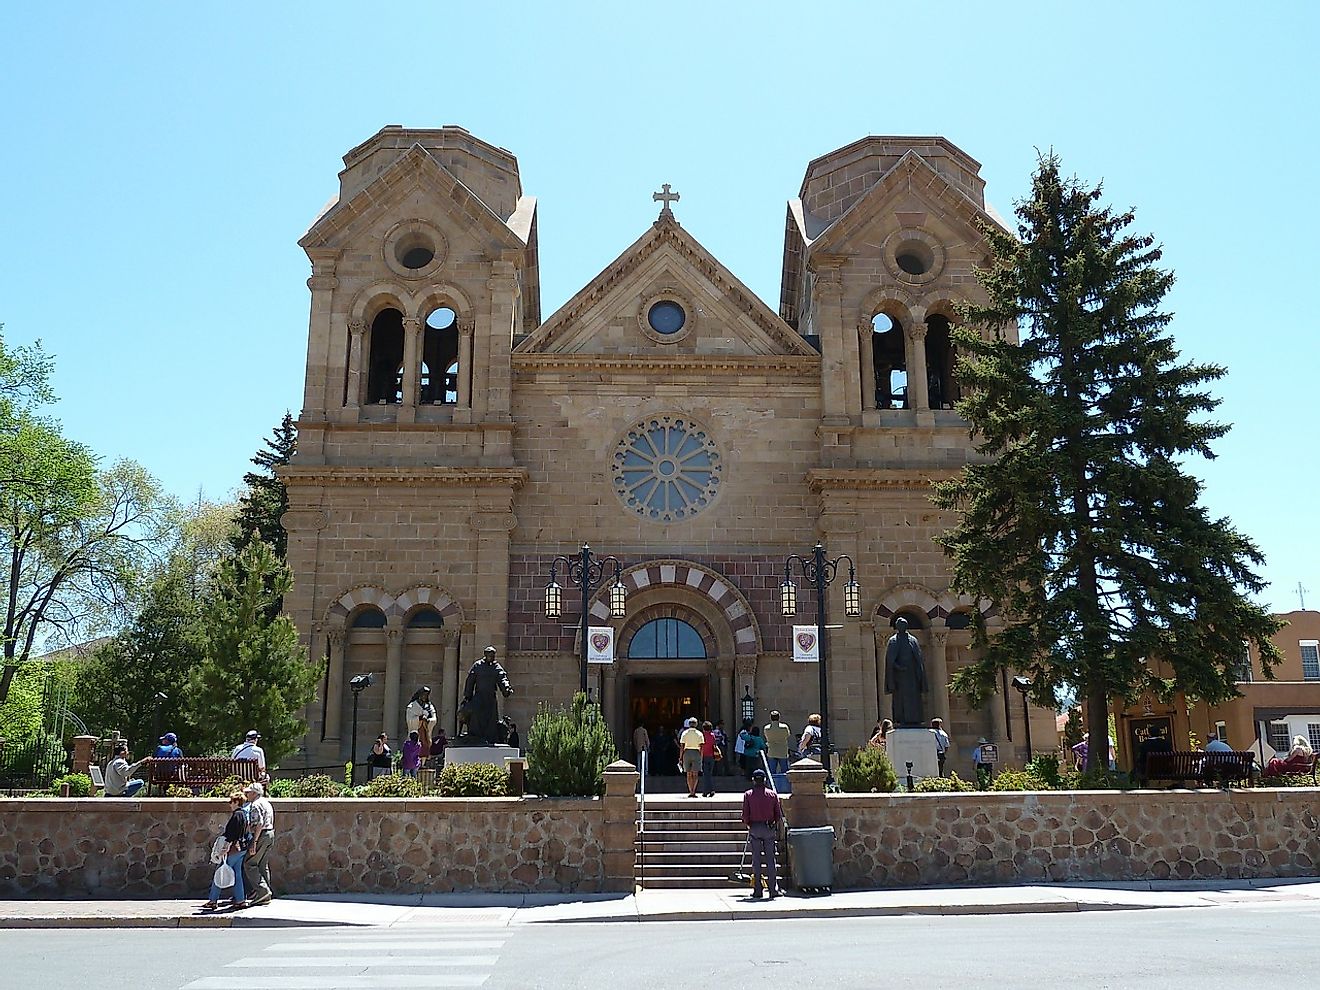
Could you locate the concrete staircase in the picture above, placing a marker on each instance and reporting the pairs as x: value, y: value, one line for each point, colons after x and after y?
x: 691, y: 843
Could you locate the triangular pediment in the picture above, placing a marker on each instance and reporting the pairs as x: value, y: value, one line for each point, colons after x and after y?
x: 911, y: 188
x: 607, y: 315
x: 417, y: 169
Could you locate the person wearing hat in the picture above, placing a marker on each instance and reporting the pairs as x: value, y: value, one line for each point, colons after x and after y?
x: 689, y: 744
x: 982, y: 765
x: 761, y: 813
x: 777, y: 736
x: 941, y: 741
x: 249, y: 749
x: 168, y: 748
x: 256, y: 867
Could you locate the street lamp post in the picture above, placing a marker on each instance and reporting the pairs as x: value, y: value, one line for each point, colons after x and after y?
x: 357, y: 685
x: 589, y: 571
x: 820, y: 570
x: 1023, y: 685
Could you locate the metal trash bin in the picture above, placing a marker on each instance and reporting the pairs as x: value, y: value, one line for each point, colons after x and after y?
x: 811, y: 858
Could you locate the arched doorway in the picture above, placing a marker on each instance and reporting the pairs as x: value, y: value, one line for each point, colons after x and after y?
x: 671, y: 683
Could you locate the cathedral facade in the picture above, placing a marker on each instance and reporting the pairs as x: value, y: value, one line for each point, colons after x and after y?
x: 453, y: 443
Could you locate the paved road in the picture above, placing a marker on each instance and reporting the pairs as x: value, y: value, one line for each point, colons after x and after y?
x: 1200, y: 948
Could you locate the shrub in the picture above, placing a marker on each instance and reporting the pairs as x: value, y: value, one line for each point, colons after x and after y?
x: 867, y: 770
x: 1016, y: 780
x: 80, y: 785
x: 391, y: 785
x: 1045, y: 768
x: 568, y: 750
x: 281, y: 787
x: 942, y: 785
x: 178, y: 791
x: 1097, y: 780
x: 317, y: 785
x: 474, y: 780
x: 227, y: 786
x: 1288, y: 780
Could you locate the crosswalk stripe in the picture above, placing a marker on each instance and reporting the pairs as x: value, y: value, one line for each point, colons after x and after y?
x: 341, y: 983
x: 361, y: 961
x: 426, y: 944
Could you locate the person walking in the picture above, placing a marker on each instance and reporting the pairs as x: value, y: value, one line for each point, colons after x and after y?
x: 722, y: 745
x: 941, y: 741
x: 235, y: 835
x: 707, y: 759
x: 256, y: 868
x: 690, y: 744
x: 740, y: 746
x: 753, y: 749
x: 777, y: 737
x: 642, y: 744
x: 761, y: 813
x: 249, y: 749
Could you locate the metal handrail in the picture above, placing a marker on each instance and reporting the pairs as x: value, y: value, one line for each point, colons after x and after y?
x: 641, y: 826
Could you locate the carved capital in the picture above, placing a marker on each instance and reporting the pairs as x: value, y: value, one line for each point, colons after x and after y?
x: 744, y: 671
x: 336, y: 637
x: 917, y: 331
x: 357, y: 328
x: 467, y: 327
x: 939, y: 637
x: 322, y: 283
x: 393, y: 635
x: 295, y: 520
x: 412, y: 324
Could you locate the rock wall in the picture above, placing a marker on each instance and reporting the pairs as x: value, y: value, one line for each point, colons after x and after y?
x: 884, y: 840
x: 160, y: 847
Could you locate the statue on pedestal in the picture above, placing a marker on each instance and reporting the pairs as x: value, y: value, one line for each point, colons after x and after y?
x: 905, y: 676
x: 480, y: 710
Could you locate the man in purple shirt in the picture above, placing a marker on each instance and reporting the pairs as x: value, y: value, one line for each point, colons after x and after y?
x: 761, y: 813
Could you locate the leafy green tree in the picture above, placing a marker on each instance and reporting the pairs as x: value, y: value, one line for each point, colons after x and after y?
x: 24, y: 379
x: 266, y: 500
x: 255, y: 672
x: 1079, y: 521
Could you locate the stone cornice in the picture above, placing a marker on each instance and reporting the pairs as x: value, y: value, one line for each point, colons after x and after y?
x: 329, y: 426
x: 427, y: 476
x: 724, y: 366
x: 875, y: 479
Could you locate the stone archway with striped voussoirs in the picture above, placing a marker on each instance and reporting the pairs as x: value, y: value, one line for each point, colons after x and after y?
x: 394, y: 606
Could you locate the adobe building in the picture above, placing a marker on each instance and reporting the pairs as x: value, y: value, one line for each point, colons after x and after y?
x: 1264, y: 719
x: 452, y: 442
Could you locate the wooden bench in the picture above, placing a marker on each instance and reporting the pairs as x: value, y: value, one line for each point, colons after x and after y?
x: 197, y: 773
x: 1203, y: 768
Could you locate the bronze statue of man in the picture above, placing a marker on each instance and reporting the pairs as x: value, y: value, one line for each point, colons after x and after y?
x: 905, y: 676
x: 480, y: 710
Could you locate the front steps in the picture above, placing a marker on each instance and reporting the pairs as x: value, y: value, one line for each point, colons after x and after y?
x: 692, y: 843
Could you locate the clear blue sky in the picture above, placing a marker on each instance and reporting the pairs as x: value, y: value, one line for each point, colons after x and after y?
x: 160, y: 162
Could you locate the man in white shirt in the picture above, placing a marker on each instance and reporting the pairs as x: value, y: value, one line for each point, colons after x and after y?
x: 941, y: 741
x: 689, y: 745
x: 256, y: 867
x: 249, y: 750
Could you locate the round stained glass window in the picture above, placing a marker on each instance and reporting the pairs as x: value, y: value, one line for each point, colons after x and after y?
x: 666, y: 317
x: 666, y: 469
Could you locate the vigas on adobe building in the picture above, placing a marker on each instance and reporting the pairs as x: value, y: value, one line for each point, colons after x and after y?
x: 453, y: 441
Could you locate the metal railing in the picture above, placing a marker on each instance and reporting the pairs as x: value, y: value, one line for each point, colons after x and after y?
x: 641, y: 825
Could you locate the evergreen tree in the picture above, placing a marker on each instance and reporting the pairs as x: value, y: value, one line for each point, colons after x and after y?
x: 569, y: 749
x: 1080, y: 522
x: 255, y: 673
x: 266, y: 499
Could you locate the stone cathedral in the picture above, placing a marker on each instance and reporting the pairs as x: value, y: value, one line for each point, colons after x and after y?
x: 453, y: 441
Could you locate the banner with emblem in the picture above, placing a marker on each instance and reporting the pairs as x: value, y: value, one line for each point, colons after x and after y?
x: 600, y: 644
x: 806, y: 645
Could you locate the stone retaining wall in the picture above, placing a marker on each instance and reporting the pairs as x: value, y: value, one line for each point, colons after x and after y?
x: 160, y: 847
x: 884, y: 840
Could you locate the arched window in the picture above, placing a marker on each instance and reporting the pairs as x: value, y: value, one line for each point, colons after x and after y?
x: 666, y: 639
x: 915, y: 618
x: 889, y: 356
x: 369, y: 618
x: 941, y: 388
x: 440, y: 350
x: 425, y: 618
x: 385, y: 366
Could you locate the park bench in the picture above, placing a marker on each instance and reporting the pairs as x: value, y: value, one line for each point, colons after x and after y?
x: 197, y: 773
x: 1204, y: 768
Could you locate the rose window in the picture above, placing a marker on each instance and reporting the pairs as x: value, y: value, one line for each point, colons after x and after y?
x: 666, y: 468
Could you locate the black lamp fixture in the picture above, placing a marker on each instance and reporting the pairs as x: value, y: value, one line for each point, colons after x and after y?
x: 821, y: 571
x: 357, y: 685
x: 588, y: 571
x: 1023, y: 685
x: 748, y: 704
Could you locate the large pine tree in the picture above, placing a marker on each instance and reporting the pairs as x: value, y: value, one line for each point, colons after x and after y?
x: 1082, y: 525
x: 265, y: 501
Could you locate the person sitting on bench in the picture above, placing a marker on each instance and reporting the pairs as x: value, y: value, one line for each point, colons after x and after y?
x: 118, y: 773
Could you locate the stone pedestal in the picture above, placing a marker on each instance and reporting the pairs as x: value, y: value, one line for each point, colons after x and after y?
x: 495, y: 755
x: 915, y: 746
x: 619, y: 830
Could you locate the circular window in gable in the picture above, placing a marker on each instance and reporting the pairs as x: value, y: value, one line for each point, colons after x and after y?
x: 913, y: 256
x: 666, y: 316
x: 666, y: 469
x: 414, y: 249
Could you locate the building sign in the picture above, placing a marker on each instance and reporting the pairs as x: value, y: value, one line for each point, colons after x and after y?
x: 806, y: 644
x: 989, y: 754
x: 600, y: 644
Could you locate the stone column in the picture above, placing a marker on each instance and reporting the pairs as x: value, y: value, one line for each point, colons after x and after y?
x: 463, y: 411
x: 356, y: 331
x: 866, y: 369
x: 412, y: 368
x: 493, y: 522
x: 937, y: 674
x: 503, y: 285
x: 334, y: 695
x: 448, y: 713
x: 840, y: 391
x: 319, y: 392
x: 393, y: 671
x: 806, y: 805
x: 871, y: 688
x: 619, y: 838
x: 916, y: 362
x: 724, y: 671
x: 84, y: 754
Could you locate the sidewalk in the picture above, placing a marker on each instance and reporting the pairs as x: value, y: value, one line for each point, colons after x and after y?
x: 502, y: 910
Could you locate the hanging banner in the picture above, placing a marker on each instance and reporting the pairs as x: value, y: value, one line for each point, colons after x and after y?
x: 806, y: 645
x: 600, y: 644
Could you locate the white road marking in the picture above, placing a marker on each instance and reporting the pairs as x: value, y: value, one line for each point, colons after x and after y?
x: 361, y: 961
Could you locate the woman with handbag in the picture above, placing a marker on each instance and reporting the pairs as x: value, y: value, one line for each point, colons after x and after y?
x: 230, y: 847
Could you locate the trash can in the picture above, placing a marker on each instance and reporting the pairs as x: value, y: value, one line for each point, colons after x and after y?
x: 811, y: 858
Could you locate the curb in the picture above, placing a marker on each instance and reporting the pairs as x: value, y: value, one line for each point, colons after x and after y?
x: 182, y: 921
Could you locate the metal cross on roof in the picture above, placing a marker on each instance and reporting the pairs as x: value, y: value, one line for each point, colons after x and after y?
x: 666, y: 197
